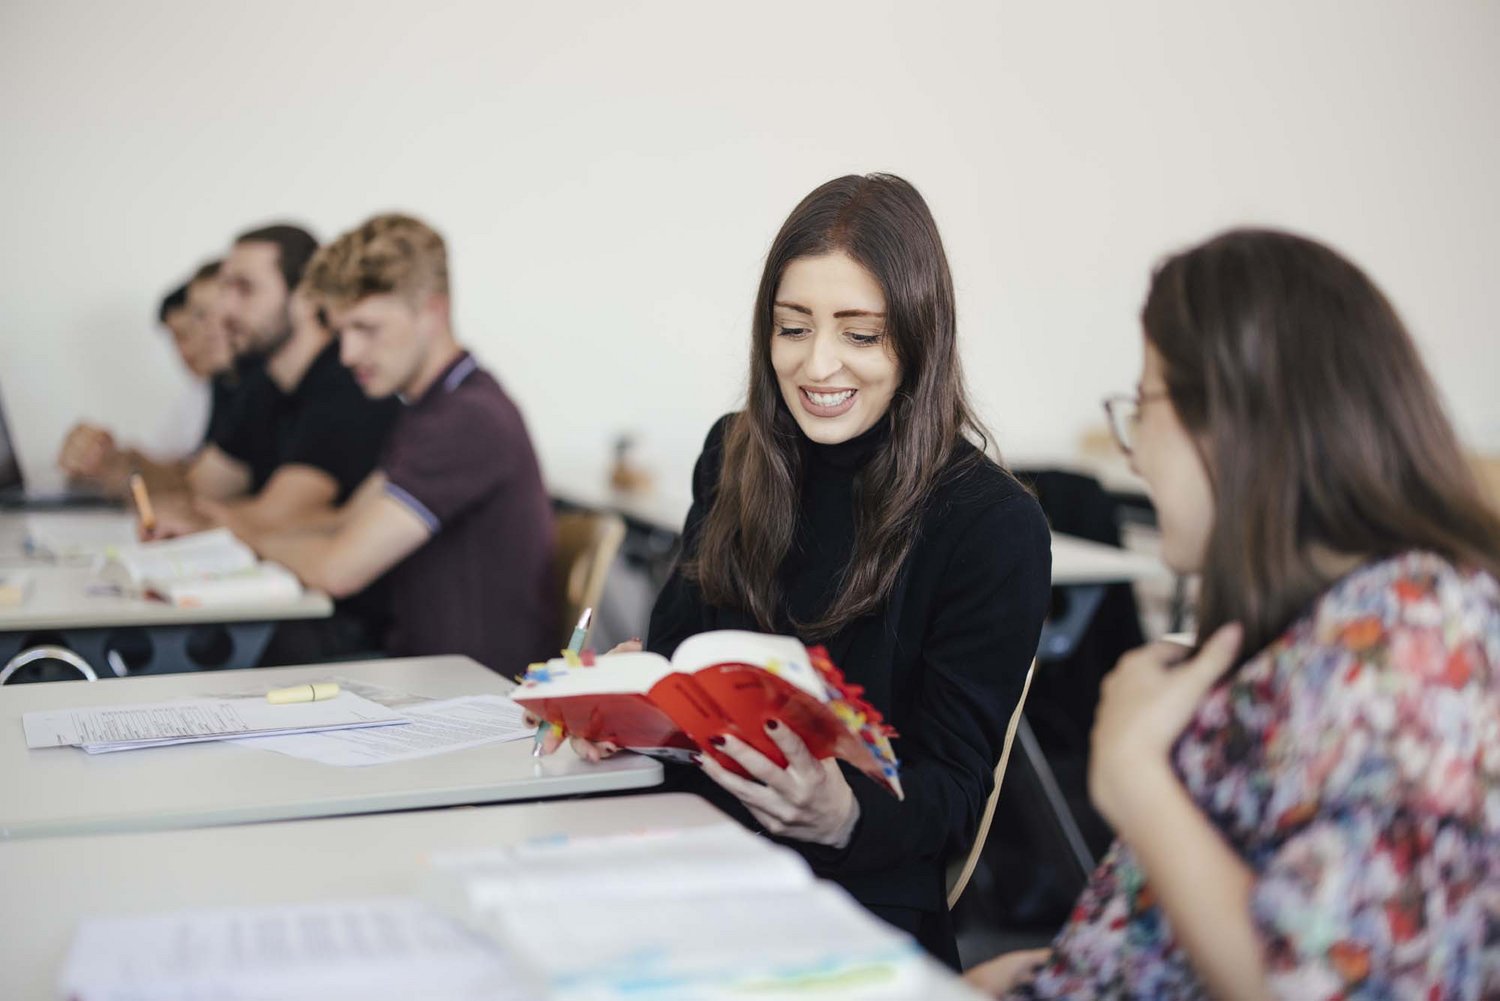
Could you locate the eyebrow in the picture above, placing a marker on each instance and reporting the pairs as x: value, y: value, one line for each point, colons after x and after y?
x: 841, y: 314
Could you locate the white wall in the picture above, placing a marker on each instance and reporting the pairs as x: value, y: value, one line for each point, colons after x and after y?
x: 610, y: 174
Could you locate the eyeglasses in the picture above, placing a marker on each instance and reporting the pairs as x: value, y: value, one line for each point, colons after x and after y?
x: 1124, y: 416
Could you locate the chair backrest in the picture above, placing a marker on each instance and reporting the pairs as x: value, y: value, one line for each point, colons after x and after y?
x: 587, y: 542
x: 959, y: 873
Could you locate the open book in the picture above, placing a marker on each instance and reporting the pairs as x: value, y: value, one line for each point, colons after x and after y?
x: 685, y: 914
x: 202, y: 569
x: 724, y: 682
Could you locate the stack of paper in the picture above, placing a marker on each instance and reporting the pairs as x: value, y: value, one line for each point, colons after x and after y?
x: 701, y: 913
x: 186, y: 721
x: 384, y: 949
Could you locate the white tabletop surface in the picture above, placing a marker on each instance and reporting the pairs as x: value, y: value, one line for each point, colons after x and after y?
x: 63, y: 790
x: 52, y: 884
x: 661, y: 509
x: 1078, y: 561
x: 59, y: 596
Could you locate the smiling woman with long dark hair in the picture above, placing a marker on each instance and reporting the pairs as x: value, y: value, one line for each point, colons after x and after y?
x: 851, y: 504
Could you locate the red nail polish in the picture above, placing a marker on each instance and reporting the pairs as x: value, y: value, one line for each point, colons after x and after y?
x: 771, y: 724
x: 716, y: 740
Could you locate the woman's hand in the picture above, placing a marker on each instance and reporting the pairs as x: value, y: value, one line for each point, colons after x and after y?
x: 1007, y: 971
x: 588, y: 750
x: 1144, y: 704
x: 808, y: 800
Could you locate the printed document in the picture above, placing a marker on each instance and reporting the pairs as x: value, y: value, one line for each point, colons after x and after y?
x: 436, y: 728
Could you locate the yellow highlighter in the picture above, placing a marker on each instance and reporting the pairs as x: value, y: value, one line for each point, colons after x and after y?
x: 318, y: 692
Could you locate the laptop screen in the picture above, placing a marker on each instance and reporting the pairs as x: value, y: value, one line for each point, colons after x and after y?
x: 10, y: 466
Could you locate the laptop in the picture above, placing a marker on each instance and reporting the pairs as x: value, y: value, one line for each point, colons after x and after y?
x: 15, y: 497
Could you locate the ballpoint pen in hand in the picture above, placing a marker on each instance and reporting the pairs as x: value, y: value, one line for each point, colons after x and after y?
x: 575, y: 644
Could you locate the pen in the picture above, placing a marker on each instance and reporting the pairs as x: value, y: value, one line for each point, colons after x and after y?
x: 317, y: 692
x: 580, y: 631
x: 142, y: 503
x: 575, y: 644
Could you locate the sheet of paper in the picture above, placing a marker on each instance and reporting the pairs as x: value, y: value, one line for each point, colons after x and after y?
x: 381, y: 948
x: 111, y: 727
x: 391, y: 698
x: 435, y: 728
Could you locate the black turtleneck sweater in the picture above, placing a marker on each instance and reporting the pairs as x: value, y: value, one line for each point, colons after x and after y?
x: 944, y: 660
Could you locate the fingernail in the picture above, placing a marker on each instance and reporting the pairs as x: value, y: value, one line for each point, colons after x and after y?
x: 716, y: 740
x: 771, y: 724
x: 696, y: 759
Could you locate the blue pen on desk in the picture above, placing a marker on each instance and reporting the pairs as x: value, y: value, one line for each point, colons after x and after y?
x: 575, y: 645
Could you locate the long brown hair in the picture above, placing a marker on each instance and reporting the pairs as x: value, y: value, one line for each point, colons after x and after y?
x: 1317, y: 421
x: 881, y: 222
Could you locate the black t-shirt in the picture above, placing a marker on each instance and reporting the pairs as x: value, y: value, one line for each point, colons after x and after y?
x: 326, y: 422
x: 223, y: 397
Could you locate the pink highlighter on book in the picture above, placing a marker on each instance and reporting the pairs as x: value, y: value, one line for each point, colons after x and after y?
x: 722, y: 682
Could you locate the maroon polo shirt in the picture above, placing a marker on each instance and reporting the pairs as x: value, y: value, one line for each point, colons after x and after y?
x: 459, y: 459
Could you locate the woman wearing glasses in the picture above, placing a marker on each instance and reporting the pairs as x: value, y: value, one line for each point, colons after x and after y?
x: 1308, y: 804
x: 850, y: 503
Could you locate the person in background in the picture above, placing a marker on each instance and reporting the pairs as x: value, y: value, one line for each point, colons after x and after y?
x: 456, y: 512
x: 90, y: 454
x: 851, y: 503
x: 1307, y: 803
x: 300, y: 438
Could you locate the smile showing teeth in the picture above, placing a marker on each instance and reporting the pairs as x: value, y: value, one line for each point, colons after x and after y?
x: 829, y: 399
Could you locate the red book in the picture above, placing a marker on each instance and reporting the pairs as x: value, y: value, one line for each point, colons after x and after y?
x: 724, y: 682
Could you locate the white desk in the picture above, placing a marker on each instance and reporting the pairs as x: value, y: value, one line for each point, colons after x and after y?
x: 1078, y: 561
x: 62, y: 790
x: 59, y: 600
x: 52, y: 884
x: 656, y: 509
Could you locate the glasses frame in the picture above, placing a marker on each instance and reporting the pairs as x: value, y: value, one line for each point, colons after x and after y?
x: 1122, y: 412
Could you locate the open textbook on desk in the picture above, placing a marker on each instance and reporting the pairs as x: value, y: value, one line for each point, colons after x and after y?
x: 722, y: 682
x: 683, y: 914
x: 202, y: 569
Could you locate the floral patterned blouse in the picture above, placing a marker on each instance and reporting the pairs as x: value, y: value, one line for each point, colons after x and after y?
x: 1354, y: 764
